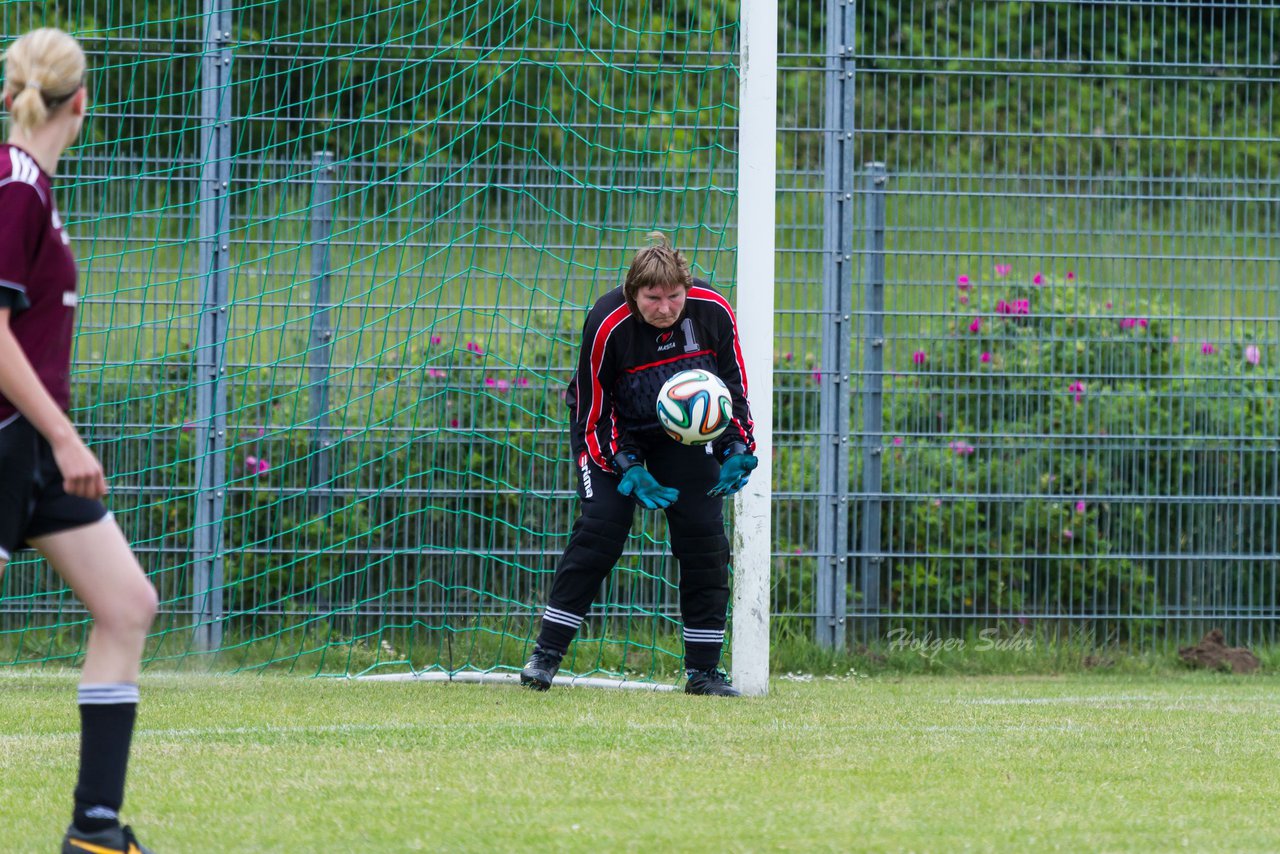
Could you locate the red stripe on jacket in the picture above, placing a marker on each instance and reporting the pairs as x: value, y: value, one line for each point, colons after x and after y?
x: 709, y: 295
x: 596, y: 410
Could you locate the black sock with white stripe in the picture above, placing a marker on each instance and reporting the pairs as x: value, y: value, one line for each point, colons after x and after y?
x: 702, y: 648
x: 107, y: 713
x: 559, y: 627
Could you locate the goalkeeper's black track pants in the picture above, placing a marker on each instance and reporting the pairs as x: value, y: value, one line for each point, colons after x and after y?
x: 698, y: 541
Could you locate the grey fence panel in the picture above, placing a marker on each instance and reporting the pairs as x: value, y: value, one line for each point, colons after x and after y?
x: 1079, y: 318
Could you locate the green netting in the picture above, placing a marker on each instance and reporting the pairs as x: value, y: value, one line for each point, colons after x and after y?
x: 335, y: 261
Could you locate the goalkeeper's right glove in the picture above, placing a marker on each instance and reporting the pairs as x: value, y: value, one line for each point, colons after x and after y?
x: 638, y: 482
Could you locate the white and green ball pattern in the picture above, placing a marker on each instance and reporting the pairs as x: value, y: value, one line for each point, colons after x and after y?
x: 694, y: 407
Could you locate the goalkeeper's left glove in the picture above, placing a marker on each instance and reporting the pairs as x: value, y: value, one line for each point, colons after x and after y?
x: 734, y: 474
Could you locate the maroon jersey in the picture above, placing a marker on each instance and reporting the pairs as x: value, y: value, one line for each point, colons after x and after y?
x: 37, y: 273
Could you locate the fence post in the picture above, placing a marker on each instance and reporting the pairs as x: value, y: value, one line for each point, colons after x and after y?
x: 873, y: 401
x: 210, y: 356
x: 319, y: 357
x: 835, y: 389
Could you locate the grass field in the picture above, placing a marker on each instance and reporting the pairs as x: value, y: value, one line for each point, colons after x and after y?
x: 1094, y: 762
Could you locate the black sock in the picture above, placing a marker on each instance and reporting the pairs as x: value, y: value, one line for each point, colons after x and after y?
x: 107, y: 712
x: 702, y: 648
x: 558, y: 629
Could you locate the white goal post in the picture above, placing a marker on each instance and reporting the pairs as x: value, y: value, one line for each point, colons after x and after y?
x: 757, y: 186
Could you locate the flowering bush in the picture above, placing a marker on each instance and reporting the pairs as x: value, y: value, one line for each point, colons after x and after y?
x: 1038, y: 444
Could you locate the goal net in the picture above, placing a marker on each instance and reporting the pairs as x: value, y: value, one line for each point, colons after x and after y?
x: 335, y: 260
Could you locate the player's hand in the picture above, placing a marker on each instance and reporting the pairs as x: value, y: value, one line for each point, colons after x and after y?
x: 734, y: 474
x: 81, y: 472
x: 651, y: 494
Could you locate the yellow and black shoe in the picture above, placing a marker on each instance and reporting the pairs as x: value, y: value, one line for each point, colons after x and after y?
x: 113, y: 840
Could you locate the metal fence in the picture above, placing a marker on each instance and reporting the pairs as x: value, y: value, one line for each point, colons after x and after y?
x: 1066, y: 346
x: 1024, y: 324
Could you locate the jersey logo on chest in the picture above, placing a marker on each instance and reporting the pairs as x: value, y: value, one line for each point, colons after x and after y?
x: 666, y: 340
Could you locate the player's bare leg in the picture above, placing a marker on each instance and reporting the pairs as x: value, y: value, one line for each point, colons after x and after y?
x: 96, y: 561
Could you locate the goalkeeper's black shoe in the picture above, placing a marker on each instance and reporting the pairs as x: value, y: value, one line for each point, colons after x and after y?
x: 713, y: 683
x: 113, y: 840
x: 540, y: 669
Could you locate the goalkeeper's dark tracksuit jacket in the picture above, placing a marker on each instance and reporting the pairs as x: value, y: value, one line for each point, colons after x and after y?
x: 624, y: 362
x: 612, y: 406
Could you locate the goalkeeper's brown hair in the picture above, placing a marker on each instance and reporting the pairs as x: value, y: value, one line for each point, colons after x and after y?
x: 659, y: 263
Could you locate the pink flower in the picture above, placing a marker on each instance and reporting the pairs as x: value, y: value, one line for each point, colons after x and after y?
x: 503, y: 385
x: 490, y: 382
x: 985, y: 358
x: 1076, y: 388
x: 1127, y: 323
x: 1252, y: 354
x: 919, y: 357
x: 251, y: 463
x: 436, y: 374
x: 1080, y: 506
x: 188, y: 427
x: 523, y: 382
x: 1142, y: 322
x: 897, y: 441
x: 263, y: 466
x: 436, y: 339
x: 1003, y: 270
x: 1070, y: 276
x: 976, y: 325
x: 816, y: 376
x: 453, y: 423
x: 1109, y: 304
x: 962, y: 282
x: 789, y: 356
x: 475, y: 348
x: 1067, y: 534
x: 960, y: 448
x: 256, y: 466
x: 1038, y: 279
x: 1003, y: 307
x: 1208, y: 348
x: 1022, y: 306
x: 964, y: 299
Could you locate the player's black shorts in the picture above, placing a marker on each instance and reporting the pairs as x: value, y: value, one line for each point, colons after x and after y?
x: 32, y: 500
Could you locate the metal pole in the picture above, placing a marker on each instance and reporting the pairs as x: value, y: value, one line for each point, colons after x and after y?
x: 210, y: 356
x: 873, y: 400
x: 757, y: 197
x: 835, y: 389
x: 319, y: 357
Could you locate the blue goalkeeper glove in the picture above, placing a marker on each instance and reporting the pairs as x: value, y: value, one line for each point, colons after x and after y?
x: 734, y: 474
x: 638, y: 482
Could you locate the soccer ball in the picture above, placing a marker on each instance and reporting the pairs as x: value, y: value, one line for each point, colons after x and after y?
x: 694, y: 407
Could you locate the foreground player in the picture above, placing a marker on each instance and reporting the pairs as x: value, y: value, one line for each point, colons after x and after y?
x: 51, y: 485
x: 660, y: 322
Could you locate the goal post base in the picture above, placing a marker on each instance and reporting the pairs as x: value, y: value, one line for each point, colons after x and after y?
x: 474, y: 677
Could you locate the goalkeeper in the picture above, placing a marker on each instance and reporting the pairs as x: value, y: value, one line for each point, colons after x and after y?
x: 659, y: 322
